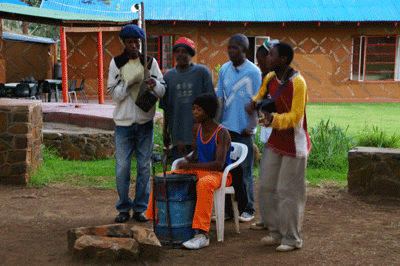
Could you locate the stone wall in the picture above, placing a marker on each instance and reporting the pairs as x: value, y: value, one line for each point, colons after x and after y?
x: 20, y: 140
x: 374, y: 171
x: 79, y: 143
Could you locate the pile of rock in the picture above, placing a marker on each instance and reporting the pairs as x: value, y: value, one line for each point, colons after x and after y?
x: 113, y: 243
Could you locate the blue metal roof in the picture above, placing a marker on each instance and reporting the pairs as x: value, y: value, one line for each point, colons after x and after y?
x: 27, y: 38
x: 239, y: 10
x: 15, y: 2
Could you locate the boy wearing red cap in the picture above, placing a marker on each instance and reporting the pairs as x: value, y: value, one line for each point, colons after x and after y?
x: 184, y: 83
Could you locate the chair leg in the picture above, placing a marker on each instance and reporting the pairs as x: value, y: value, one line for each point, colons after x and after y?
x: 76, y: 98
x: 235, y: 212
x: 219, y: 204
x: 84, y: 98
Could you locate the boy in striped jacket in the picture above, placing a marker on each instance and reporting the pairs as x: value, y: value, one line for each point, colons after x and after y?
x: 282, y: 189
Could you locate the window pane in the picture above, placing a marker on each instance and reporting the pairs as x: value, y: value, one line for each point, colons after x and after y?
x: 381, y: 58
x: 379, y: 67
x: 382, y: 40
x: 167, y: 62
x: 379, y: 76
x: 358, y: 58
x: 152, y: 46
x: 382, y: 49
x: 356, y: 41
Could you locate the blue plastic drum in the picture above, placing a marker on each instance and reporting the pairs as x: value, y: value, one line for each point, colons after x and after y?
x: 182, y: 203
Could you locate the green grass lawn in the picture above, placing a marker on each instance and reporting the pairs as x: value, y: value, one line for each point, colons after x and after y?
x: 386, y: 116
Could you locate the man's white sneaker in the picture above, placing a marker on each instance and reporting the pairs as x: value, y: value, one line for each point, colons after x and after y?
x: 269, y: 241
x: 246, y: 217
x: 199, y: 241
x: 285, y: 248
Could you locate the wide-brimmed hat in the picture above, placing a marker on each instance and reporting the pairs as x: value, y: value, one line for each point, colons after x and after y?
x: 187, y: 43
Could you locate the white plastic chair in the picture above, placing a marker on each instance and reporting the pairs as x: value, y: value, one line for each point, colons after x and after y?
x: 238, y: 154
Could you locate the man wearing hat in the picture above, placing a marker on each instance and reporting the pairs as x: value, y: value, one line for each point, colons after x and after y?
x: 133, y: 126
x: 183, y: 84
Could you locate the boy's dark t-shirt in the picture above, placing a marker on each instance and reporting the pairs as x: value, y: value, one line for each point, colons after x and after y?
x: 181, y: 90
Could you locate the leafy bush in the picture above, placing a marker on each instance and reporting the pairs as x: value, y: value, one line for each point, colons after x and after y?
x: 377, y: 138
x: 330, y: 145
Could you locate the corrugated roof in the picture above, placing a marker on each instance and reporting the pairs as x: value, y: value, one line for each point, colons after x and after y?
x: 27, y: 38
x: 57, y: 17
x: 15, y: 2
x: 239, y: 10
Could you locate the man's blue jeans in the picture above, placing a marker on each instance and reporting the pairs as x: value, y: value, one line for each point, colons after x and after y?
x: 247, y: 166
x: 136, y: 138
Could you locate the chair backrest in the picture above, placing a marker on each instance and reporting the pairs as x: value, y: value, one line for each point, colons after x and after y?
x: 238, y: 152
x: 3, y: 90
x: 43, y: 86
x: 23, y: 90
x: 72, y: 86
x: 82, y: 85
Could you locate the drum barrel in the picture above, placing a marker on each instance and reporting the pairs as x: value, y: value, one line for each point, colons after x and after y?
x: 182, y: 203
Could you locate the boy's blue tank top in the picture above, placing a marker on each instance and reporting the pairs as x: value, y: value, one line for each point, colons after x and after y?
x: 207, y: 151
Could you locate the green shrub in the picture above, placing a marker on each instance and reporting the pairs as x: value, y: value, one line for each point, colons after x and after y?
x: 330, y: 145
x: 377, y: 138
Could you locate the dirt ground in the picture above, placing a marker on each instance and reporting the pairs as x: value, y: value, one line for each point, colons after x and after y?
x: 339, y: 229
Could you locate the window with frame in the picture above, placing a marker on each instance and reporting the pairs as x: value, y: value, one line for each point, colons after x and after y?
x: 254, y: 43
x: 160, y: 47
x: 375, y: 58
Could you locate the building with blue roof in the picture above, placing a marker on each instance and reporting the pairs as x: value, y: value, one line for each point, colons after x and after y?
x: 345, y: 49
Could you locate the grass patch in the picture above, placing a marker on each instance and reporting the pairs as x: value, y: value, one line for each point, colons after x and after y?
x: 356, y: 116
x: 98, y: 174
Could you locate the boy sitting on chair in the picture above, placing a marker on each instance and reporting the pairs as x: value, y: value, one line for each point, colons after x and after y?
x: 212, y: 148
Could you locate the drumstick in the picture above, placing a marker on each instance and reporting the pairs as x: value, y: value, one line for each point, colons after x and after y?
x: 167, y: 197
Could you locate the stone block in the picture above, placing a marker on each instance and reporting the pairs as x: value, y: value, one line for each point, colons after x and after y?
x: 104, y: 153
x: 3, y: 122
x: 19, y: 129
x: 21, y: 118
x: 112, y: 230
x: 74, y: 154
x: 23, y: 142
x: 374, y: 171
x: 4, y: 170
x: 19, y: 169
x: 148, y: 242
x: 4, y: 146
x: 105, y: 248
x: 114, y: 242
x: 20, y: 180
x: 15, y: 156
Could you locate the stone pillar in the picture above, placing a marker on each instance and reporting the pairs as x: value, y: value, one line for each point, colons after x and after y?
x: 20, y: 140
x: 2, y: 61
x: 374, y: 171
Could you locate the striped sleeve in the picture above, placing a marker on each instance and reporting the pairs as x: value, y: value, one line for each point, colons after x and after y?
x: 263, y: 89
x: 294, y: 116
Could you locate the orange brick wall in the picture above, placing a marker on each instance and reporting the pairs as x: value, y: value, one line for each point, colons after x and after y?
x: 322, y: 54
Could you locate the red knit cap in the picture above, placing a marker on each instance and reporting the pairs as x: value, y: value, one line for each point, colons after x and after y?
x: 187, y: 43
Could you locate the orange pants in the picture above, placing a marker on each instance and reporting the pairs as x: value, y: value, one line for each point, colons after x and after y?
x: 208, y: 182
